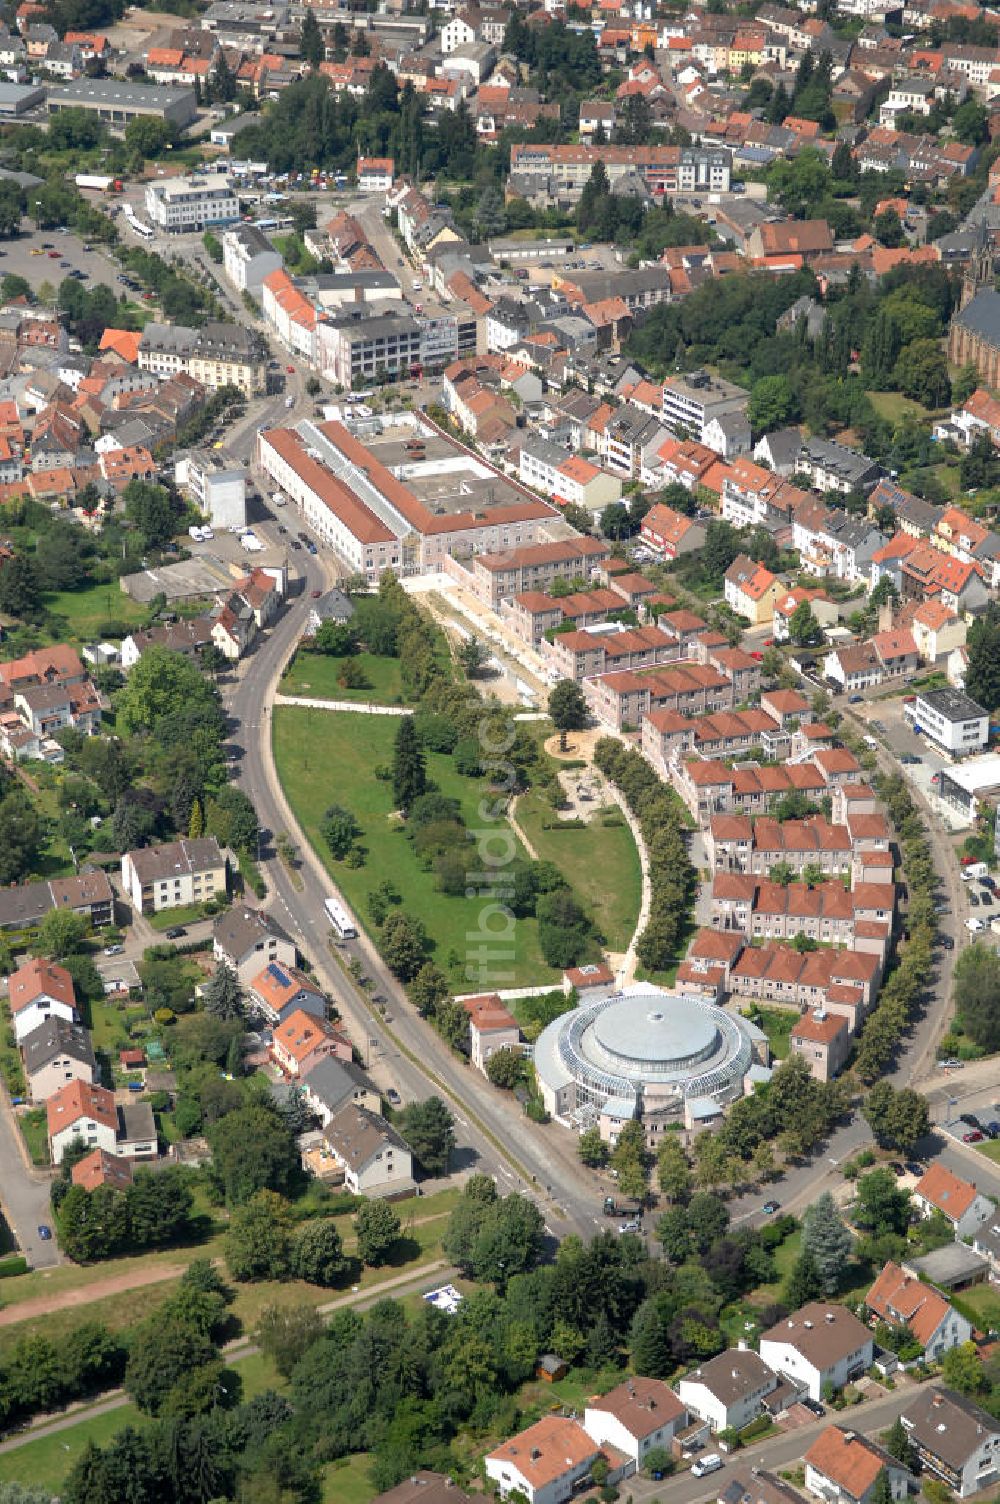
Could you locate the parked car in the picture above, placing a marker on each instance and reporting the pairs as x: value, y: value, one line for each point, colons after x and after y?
x: 45, y: 1232
x: 393, y: 1098
x: 974, y: 899
x: 972, y: 1137
x: 770, y: 1207
x: 947, y: 942
x: 175, y: 932
x: 113, y: 950
x: 991, y: 1129
x: 969, y: 1119
x: 914, y: 1168
x: 854, y: 699
x: 711, y: 1463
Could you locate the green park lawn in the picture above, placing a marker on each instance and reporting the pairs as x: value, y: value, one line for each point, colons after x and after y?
x: 893, y: 407
x: 599, y: 861
x: 326, y: 758
x: 185, y: 913
x: 316, y: 675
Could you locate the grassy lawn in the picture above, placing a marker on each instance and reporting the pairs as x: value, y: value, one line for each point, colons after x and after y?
x: 317, y: 675
x: 600, y: 862
x: 981, y: 1303
x: 34, y: 1131
x: 346, y: 1480
x: 85, y: 610
x: 990, y: 1149
x: 894, y: 407
x: 185, y: 913
x: 777, y: 1024
x: 324, y: 758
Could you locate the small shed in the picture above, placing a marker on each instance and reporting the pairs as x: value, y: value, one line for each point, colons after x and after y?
x: 550, y: 1368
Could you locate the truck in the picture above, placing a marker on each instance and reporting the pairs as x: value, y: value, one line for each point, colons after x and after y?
x: 97, y: 183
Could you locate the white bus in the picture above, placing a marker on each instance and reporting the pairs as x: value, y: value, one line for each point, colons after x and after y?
x: 340, y: 919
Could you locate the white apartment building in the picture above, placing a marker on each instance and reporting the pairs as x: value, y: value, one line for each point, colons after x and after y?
x: 174, y: 875
x: 219, y: 491
x: 692, y: 403
x: 248, y: 257
x: 820, y: 1344
x: 193, y: 203
x: 951, y: 720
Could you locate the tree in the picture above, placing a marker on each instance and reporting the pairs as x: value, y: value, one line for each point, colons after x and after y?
x: 982, y: 679
x: 971, y: 123
x: 21, y: 832
x: 311, y: 46
x: 339, y: 830
x: 153, y: 510
x: 222, y: 995
x: 649, y: 1341
x: 377, y: 1228
x: 673, y: 1173
x: 567, y: 709
x: 887, y: 228
x: 896, y: 1442
x: 429, y: 988
x: 804, y: 1282
x: 284, y: 1333
x: 403, y: 945
x: 61, y: 933
x: 898, y: 1119
x: 317, y: 1254
x: 20, y: 587
x: 472, y: 656
x: 977, y: 994
x: 921, y: 372
x: 881, y: 1207
x: 592, y: 1149
x: 429, y: 1129
x: 164, y: 1352
x: 409, y: 771
x: 772, y: 404
x: 161, y: 685
x: 962, y: 1369
x: 505, y: 1069
x: 252, y: 1150
x: 258, y: 1240
x: 827, y: 1241
x: 803, y: 628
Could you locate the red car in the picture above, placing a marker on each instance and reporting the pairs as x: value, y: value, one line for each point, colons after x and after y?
x: 290, y: 370
x: 316, y: 594
x: 972, y: 1137
x: 54, y: 255
x: 758, y: 657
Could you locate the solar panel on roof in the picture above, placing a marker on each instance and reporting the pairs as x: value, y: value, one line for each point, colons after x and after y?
x: 276, y: 974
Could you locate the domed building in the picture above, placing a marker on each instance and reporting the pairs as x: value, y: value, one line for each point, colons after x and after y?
x: 661, y: 1057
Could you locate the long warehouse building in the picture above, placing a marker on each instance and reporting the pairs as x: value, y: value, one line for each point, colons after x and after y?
x: 404, y: 500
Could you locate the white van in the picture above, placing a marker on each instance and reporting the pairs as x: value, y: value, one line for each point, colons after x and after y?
x: 710, y: 1463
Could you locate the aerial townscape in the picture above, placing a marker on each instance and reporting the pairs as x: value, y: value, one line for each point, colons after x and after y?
x: 499, y: 752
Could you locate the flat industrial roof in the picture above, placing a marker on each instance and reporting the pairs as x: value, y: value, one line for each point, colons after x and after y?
x: 975, y: 774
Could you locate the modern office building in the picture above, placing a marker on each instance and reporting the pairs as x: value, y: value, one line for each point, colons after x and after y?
x: 192, y: 204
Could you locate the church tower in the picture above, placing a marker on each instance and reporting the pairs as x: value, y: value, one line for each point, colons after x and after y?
x: 979, y: 270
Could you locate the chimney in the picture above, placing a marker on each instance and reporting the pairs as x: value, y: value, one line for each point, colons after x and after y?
x: 808, y: 1325
x: 535, y: 1454
x: 830, y: 1318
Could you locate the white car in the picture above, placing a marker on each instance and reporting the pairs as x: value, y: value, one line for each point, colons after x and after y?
x: 207, y: 535
x: 708, y: 1464
x: 974, y: 926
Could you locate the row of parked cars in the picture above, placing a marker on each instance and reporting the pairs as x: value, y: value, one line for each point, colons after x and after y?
x: 977, y: 1129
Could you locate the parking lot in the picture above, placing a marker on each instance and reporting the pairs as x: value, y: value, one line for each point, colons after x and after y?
x: 51, y: 255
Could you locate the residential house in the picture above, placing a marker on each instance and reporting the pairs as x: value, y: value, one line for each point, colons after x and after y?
x: 669, y: 534
x: 823, y: 1040
x: 729, y: 1391
x: 174, y: 875
x: 901, y: 1300
x: 941, y: 1190
x: 249, y: 939
x: 491, y: 1028
x: 277, y: 991
x: 330, y: 1083
x: 102, y: 1168
x: 548, y: 1463
x: 635, y: 1417
x: 956, y: 1441
x: 375, y: 1159
x: 751, y: 590
x: 302, y: 1039
x: 56, y: 1052
x: 80, y: 1110
x: 39, y: 991
x: 821, y: 1345
x: 843, y: 1467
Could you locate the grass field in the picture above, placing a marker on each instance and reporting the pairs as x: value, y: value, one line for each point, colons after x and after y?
x: 777, y: 1024
x: 982, y: 1304
x: 34, y: 1131
x: 894, y: 407
x: 324, y: 758
x: 346, y: 1481
x: 85, y: 610
x: 600, y: 862
x: 185, y: 913
x: 316, y: 675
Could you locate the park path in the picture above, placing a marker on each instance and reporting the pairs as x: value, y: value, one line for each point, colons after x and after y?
x: 66, y: 1300
x: 519, y: 830
x: 360, y: 707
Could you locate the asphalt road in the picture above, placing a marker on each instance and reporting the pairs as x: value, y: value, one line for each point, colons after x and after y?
x: 24, y: 1193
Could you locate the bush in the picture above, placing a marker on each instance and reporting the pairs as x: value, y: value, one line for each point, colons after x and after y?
x: 14, y: 1263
